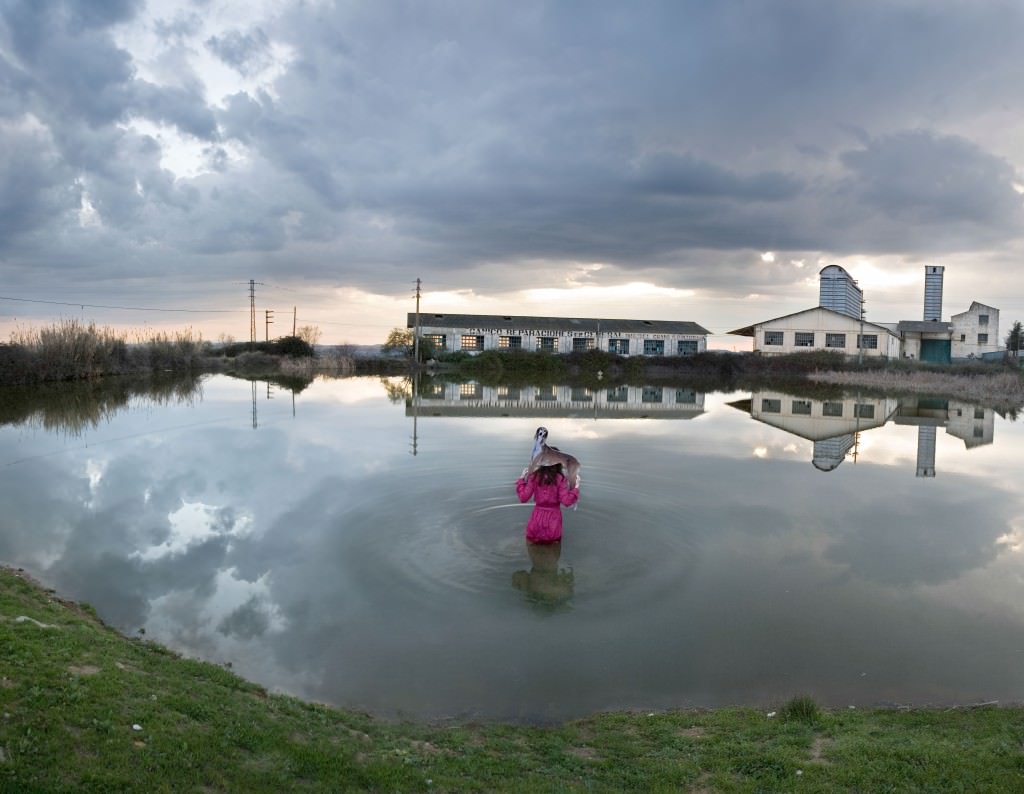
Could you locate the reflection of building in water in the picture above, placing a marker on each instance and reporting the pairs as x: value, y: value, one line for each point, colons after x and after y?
x: 972, y: 424
x: 833, y: 425
x: 830, y: 452
x: 926, y: 451
x: 475, y: 399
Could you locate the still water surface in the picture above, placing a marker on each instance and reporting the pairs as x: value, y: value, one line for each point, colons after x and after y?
x: 350, y: 546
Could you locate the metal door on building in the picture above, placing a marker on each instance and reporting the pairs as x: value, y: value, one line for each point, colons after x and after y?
x: 936, y: 351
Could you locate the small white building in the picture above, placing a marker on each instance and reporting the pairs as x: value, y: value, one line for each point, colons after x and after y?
x: 975, y: 331
x: 475, y: 333
x: 822, y: 329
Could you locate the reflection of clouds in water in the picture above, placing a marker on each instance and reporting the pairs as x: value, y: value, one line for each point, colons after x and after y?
x: 318, y: 554
x: 193, y: 522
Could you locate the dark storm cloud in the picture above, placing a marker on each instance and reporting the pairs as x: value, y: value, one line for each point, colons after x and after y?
x: 184, y: 109
x: 246, y: 52
x: 33, y: 187
x: 674, y: 141
x: 920, y: 190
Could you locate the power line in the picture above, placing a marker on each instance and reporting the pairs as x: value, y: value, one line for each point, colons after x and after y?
x: 124, y: 308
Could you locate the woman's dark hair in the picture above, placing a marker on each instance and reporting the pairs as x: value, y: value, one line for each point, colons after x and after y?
x: 548, y: 475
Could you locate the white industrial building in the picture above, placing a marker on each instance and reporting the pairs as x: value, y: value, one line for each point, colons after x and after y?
x: 837, y: 324
x: 822, y: 329
x: 475, y: 333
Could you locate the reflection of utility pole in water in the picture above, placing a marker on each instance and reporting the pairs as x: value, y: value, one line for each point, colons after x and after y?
x: 415, y: 408
x: 253, y: 382
x: 856, y: 407
x: 926, y: 451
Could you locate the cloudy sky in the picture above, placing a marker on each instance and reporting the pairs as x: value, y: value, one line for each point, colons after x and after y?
x: 664, y: 160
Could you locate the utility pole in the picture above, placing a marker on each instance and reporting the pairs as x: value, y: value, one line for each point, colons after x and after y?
x: 252, y: 310
x: 860, y: 345
x: 270, y: 315
x: 416, y: 329
x: 294, y: 318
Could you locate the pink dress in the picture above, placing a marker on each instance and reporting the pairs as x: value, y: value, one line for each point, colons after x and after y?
x: 545, y: 524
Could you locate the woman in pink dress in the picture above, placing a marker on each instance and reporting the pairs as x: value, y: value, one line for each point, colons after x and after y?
x: 550, y: 490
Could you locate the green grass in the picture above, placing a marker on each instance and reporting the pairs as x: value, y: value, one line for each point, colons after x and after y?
x: 72, y: 689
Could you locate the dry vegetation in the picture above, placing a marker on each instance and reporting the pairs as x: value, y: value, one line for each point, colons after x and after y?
x: 74, y: 350
x: 331, y: 364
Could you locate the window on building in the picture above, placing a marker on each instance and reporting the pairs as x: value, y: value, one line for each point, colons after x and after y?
x: 547, y: 344
x: 864, y: 411
x: 979, y: 431
x: 545, y: 393
x: 773, y: 337
x: 580, y: 395
x: 654, y: 347
x: 982, y: 339
x: 510, y: 343
x: 687, y: 347
x: 651, y: 394
x: 618, y: 346
x: 437, y: 340
x: 508, y: 392
x: 831, y: 409
x: 619, y: 394
x: 982, y: 319
x: 581, y: 344
x: 472, y: 342
x: 801, y: 407
x: 979, y: 413
x: 470, y: 391
x: 771, y: 406
x: 434, y: 391
x: 835, y: 340
x: 686, y: 397
x: 803, y: 339
x: 870, y: 342
x: 963, y: 337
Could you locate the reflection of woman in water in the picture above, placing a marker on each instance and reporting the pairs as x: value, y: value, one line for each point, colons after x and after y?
x: 550, y: 490
x: 544, y: 583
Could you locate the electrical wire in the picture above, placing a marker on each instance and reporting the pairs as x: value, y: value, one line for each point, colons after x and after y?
x: 125, y: 308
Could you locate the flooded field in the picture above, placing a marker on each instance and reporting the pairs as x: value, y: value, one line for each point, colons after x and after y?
x: 350, y: 543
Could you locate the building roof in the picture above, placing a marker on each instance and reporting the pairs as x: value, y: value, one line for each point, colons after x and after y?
x: 924, y: 327
x: 749, y: 330
x: 568, y: 324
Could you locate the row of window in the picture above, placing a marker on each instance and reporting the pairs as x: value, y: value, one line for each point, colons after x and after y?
x: 806, y: 339
x: 618, y: 394
x: 828, y: 408
x: 549, y: 344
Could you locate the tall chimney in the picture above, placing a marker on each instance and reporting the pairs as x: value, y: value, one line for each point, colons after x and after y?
x: 933, y: 292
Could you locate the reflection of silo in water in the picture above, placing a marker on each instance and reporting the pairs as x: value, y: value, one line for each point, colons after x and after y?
x: 926, y: 451
x: 830, y: 452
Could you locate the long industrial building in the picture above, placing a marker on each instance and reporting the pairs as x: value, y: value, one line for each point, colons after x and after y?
x: 475, y: 333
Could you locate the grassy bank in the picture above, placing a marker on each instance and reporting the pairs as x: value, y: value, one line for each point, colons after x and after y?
x: 83, y: 708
